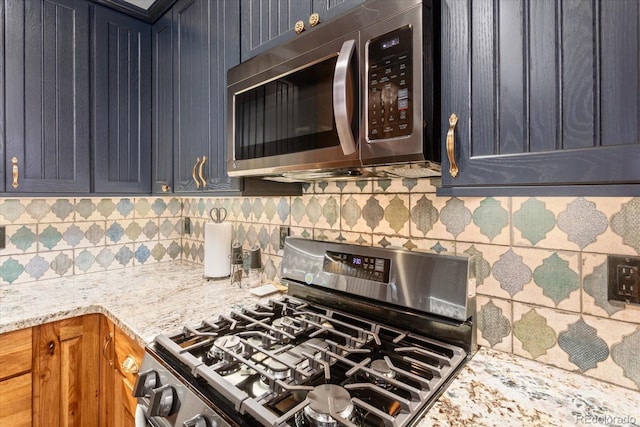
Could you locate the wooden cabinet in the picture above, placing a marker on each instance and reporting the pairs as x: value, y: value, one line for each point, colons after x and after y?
x: 121, y: 102
x: 66, y: 388
x: 547, y: 97
x: 266, y: 23
x: 119, y: 363
x: 16, y: 355
x: 47, y: 96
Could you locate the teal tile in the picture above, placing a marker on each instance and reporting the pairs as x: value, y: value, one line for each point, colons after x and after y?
x: 491, y: 217
x: 23, y: 238
x: 534, y: 220
x: 10, y: 270
x: 556, y: 278
x: 49, y: 237
x: 11, y: 209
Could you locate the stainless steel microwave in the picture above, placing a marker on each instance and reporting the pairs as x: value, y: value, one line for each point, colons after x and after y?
x: 351, y: 97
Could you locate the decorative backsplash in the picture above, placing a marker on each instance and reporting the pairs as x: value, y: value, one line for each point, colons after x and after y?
x: 55, y: 237
x: 540, y: 262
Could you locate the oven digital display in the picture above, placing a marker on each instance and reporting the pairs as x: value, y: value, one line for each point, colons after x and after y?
x: 361, y: 267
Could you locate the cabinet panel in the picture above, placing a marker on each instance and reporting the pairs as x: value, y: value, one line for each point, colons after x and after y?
x: 546, y: 94
x: 15, y: 352
x: 2, y: 97
x: 162, y: 133
x: 107, y: 380
x: 47, y: 92
x: 192, y: 87
x: 67, y: 366
x: 266, y: 23
x: 121, y: 102
x: 15, y: 401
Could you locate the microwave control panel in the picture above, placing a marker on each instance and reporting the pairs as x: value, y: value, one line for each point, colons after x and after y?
x: 358, y: 266
x: 389, y: 97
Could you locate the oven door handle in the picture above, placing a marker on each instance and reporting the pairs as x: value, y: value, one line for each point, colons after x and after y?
x: 340, y: 97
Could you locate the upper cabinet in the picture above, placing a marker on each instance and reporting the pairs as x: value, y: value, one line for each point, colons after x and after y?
x: 121, y: 95
x: 57, y: 141
x: 47, y: 96
x: 266, y: 23
x: 193, y: 46
x: 546, y: 96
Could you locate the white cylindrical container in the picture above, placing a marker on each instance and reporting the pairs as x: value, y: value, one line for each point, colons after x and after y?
x: 217, y: 249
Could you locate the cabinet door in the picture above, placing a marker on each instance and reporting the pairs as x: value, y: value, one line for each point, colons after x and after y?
x: 121, y: 89
x: 16, y: 378
x: 47, y: 95
x: 106, y: 341
x: 67, y: 365
x: 2, y: 97
x: 265, y: 23
x: 191, y: 90
x: 547, y: 94
x: 225, y: 52
x: 162, y: 109
x: 128, y: 359
x: 330, y: 9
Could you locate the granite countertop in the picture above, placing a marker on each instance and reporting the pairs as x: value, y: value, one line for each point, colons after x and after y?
x: 494, y: 388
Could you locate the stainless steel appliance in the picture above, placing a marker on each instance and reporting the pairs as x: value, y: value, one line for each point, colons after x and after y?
x: 346, y: 96
x: 365, y: 337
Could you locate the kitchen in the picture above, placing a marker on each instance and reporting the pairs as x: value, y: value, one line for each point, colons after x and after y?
x: 541, y: 274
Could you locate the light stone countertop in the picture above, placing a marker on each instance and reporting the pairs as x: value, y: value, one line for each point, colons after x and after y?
x: 494, y: 388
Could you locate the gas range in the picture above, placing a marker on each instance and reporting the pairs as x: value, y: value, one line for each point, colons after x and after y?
x: 364, y: 337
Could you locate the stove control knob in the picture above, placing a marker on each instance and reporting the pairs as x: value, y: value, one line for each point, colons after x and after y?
x: 161, y: 401
x: 197, y: 421
x: 146, y: 381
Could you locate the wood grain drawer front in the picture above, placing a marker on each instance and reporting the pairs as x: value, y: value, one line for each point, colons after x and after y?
x: 15, y: 401
x: 15, y: 352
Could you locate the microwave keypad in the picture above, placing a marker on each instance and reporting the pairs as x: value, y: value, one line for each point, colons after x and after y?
x: 389, y: 112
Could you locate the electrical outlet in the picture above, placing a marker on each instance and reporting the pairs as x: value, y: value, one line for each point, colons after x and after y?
x: 284, y: 232
x: 624, y: 279
x: 3, y: 237
x: 187, y: 225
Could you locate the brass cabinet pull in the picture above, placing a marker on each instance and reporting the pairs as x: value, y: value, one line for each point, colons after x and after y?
x: 453, y: 167
x: 204, y: 181
x: 193, y: 173
x: 314, y: 19
x: 104, y: 349
x: 166, y: 188
x: 298, y: 27
x: 129, y: 365
x: 14, y: 162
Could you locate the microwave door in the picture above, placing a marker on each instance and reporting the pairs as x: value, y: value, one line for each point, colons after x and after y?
x: 300, y: 114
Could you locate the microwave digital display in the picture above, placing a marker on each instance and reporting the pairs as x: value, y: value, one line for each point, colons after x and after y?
x: 390, y: 43
x: 389, y: 95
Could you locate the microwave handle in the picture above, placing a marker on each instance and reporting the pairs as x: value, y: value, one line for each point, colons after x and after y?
x: 340, y: 109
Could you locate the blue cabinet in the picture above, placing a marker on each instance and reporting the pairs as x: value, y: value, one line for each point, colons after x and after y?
x: 47, y: 96
x: 121, y: 109
x: 266, y: 23
x: 547, y: 97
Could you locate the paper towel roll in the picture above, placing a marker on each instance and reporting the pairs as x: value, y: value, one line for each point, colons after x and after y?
x: 217, y: 249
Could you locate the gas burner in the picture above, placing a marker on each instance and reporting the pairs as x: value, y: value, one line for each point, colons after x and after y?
x: 284, y: 323
x: 223, y: 345
x: 277, y: 369
x: 382, y: 369
x: 322, y: 399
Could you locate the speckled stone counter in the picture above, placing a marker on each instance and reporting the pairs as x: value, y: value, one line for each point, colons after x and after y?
x: 494, y: 389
